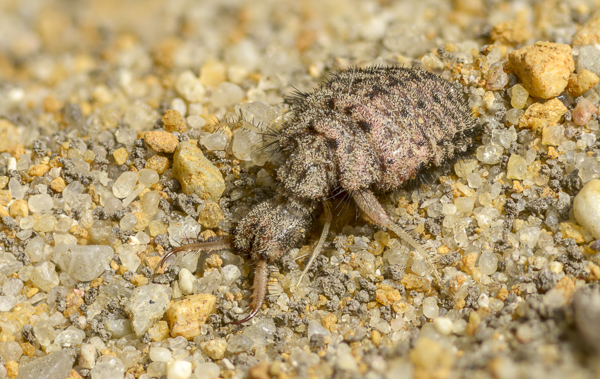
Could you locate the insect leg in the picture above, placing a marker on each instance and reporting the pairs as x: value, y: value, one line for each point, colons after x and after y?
x: 319, y: 247
x: 204, y: 247
x: 369, y: 204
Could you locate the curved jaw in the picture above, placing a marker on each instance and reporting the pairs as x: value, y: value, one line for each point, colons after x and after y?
x: 261, y: 276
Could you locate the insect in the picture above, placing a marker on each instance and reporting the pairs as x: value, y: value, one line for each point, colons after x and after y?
x: 362, y: 131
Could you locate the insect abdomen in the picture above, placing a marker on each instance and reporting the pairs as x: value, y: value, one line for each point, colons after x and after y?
x: 384, y: 124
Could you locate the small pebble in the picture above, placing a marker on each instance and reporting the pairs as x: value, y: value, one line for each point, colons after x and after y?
x: 544, y: 68
x: 179, y: 369
x: 583, y: 112
x: 443, y: 325
x: 195, y: 173
x: 586, y: 207
x: 161, y: 141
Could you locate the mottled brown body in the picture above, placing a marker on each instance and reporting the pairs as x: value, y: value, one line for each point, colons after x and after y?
x: 362, y: 131
x: 372, y: 128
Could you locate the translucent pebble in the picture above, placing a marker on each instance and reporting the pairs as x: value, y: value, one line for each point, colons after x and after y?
x: 588, y: 139
x: 227, y: 94
x: 7, y: 303
x: 40, y: 203
x: 143, y: 238
x: 35, y: 249
x: 195, y: 121
x: 140, y: 116
x: 488, y: 263
x: 434, y: 209
x: 148, y: 177
x: 108, y: 367
x: 177, y: 343
x: 475, y: 101
x: 179, y: 105
x: 24, y: 162
x: 431, y: 62
x: 245, y: 142
x: 485, y: 198
x: 443, y: 325
x: 24, y: 234
x: 516, y: 167
x: 474, y: 180
x: 398, y: 324
x: 130, y: 356
x: 530, y: 156
x: 83, y: 262
x: 12, y: 287
x: 505, y: 137
x: 490, y: 154
x: 126, y: 135
x: 216, y: 141
x: 464, y: 167
x: 459, y: 326
x: 128, y: 221
x: 519, y: 96
x: 315, y: 328
x: 497, y: 78
x: 179, y: 369
x: 464, y: 204
x: 263, y: 179
x: 112, y: 204
x: 44, y: 276
x: 421, y: 267
x: 258, y: 113
x: 70, y: 337
x: 529, y: 236
x: 129, y: 257
x: 230, y: 274
x: 64, y: 224
x: 10, y: 351
x: 396, y: 256
x: 494, y: 55
x: 125, y: 184
x: 553, y: 135
x: 72, y: 188
x: 150, y: 202
x: 496, y: 305
x: 159, y: 354
x: 147, y: 305
x: 189, y: 86
x: 430, y: 307
x: 449, y: 209
x: 195, y: 109
x: 87, y: 356
x: 207, y: 370
x: 118, y: 328
x: 589, y: 58
x: 513, y: 115
x: 261, y: 333
x: 239, y: 343
x: 27, y: 222
x: 100, y: 231
x: 486, y: 216
x: 17, y: 191
x: 51, y: 366
x: 156, y: 369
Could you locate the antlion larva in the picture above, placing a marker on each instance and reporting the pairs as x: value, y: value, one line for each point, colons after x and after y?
x: 362, y: 131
